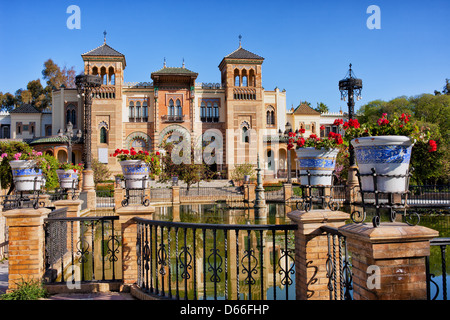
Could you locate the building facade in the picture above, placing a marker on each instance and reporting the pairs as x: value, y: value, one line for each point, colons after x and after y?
x: 238, y: 112
x: 237, y: 118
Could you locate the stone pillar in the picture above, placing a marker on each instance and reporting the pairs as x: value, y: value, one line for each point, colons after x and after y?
x: 119, y: 196
x: 249, y: 192
x: 352, y: 188
x: 26, y: 244
x: 129, y: 236
x: 388, y: 262
x: 176, y: 194
x: 287, y: 191
x: 311, y: 251
x: 89, y: 189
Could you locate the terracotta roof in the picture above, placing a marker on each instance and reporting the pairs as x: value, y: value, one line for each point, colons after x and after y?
x: 241, y: 53
x: 103, y: 50
x: 305, y: 109
x: 25, y: 108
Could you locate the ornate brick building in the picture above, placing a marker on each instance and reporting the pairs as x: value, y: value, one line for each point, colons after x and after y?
x: 238, y: 112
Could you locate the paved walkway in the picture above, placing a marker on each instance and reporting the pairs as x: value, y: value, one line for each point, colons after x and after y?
x: 75, y: 296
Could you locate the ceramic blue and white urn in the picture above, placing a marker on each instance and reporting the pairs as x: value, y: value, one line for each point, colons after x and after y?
x: 68, y: 179
x: 388, y: 155
x: 319, y: 162
x: 136, y: 174
x: 26, y: 176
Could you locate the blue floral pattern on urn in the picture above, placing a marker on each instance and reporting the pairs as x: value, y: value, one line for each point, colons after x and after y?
x: 317, y: 163
x: 383, y: 154
x: 134, y: 169
x: 30, y: 172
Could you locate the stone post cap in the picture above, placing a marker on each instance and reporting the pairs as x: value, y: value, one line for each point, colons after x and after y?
x: 68, y: 202
x: 135, y: 210
x: 317, y: 216
x: 25, y: 216
x: 388, y: 232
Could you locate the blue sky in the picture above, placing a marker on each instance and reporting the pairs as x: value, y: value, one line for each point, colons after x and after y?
x: 307, y: 45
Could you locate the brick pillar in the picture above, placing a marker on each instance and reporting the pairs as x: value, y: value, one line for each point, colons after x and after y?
x: 26, y: 244
x: 311, y: 249
x: 287, y: 191
x: 175, y: 194
x: 388, y: 262
x: 129, y: 236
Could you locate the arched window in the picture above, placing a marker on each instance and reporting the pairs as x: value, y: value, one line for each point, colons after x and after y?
x: 170, y: 110
x: 244, y: 78
x: 216, y: 112
x: 251, y: 78
x: 203, y: 111
x: 178, y: 111
x: 145, y: 111
x: 138, y: 111
x: 245, y: 133
x: 95, y: 71
x: 237, y: 81
x: 131, y: 112
x: 71, y: 115
x: 103, y: 75
x: 112, y: 77
x: 103, y: 135
x: 209, y: 110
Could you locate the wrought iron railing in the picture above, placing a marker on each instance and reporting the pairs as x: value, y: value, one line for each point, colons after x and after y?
x: 440, y: 290
x: 104, y: 198
x: 429, y: 196
x: 208, y: 261
x: 338, y: 265
x: 81, y: 249
x: 210, y: 193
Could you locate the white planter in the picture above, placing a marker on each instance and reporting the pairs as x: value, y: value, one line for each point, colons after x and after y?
x: 388, y: 155
x: 26, y: 177
x: 318, y: 162
x: 134, y: 171
x: 68, y: 179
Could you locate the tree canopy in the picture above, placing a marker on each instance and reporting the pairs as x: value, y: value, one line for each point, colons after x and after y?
x: 35, y: 93
x: 428, y: 110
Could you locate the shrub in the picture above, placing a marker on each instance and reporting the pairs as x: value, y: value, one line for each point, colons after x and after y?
x: 27, y: 290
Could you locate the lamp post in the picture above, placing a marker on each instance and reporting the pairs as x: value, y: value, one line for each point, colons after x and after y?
x: 69, y: 135
x: 349, y: 88
x: 85, y: 85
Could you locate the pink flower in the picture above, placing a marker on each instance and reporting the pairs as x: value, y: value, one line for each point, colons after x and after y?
x: 4, y: 155
x: 17, y: 156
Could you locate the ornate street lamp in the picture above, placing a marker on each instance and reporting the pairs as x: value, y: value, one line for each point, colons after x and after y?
x: 85, y: 85
x: 350, y: 87
x: 69, y: 135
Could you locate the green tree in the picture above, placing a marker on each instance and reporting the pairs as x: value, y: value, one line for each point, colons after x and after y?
x: 428, y: 110
x: 322, y: 107
x: 242, y: 170
x: 189, y: 171
x: 57, y: 76
x: 101, y: 171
